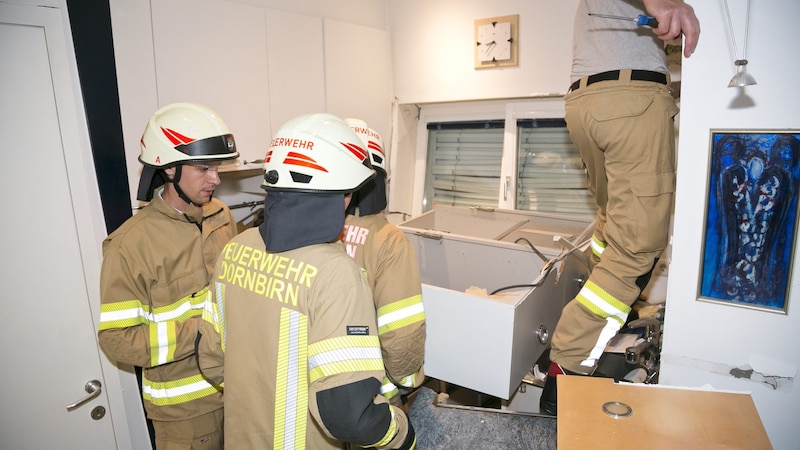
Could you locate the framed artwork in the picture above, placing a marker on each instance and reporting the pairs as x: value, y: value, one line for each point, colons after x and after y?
x: 751, y: 218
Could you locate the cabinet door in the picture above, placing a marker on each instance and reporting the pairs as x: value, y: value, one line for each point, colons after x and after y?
x: 296, y: 65
x: 358, y: 74
x: 215, y: 53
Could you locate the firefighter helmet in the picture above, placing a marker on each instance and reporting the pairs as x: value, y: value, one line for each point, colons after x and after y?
x: 372, y: 140
x: 316, y: 153
x: 181, y: 133
x: 185, y: 132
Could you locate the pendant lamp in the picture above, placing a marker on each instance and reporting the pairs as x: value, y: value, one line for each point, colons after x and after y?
x: 742, y: 78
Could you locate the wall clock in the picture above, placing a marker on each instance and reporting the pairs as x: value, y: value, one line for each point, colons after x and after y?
x: 497, y: 42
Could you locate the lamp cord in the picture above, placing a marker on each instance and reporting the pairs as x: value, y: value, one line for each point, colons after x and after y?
x: 746, y: 28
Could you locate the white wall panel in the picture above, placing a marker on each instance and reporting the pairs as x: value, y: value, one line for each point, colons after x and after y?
x: 358, y: 74
x: 296, y: 65
x: 215, y: 53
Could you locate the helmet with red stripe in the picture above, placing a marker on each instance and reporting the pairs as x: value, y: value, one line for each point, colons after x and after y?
x: 181, y: 133
x: 316, y: 153
x: 186, y: 132
x: 371, y: 139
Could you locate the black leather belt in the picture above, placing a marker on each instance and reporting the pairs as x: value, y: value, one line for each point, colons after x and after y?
x: 637, y: 75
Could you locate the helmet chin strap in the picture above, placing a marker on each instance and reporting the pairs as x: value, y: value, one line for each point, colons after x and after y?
x: 175, y: 180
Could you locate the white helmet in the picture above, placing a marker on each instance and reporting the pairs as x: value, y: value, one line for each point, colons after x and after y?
x: 185, y: 132
x: 372, y: 140
x: 316, y: 153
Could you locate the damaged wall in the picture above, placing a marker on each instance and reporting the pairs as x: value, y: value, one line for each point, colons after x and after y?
x: 724, y: 346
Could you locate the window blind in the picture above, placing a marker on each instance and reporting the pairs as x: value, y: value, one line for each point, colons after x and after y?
x: 551, y: 176
x: 464, y: 161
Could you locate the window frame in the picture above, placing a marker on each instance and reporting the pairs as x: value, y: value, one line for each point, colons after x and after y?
x: 546, y: 107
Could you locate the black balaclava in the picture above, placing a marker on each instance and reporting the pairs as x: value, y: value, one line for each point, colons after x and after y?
x: 297, y: 219
x: 371, y: 198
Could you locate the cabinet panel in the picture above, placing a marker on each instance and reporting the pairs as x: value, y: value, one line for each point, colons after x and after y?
x: 216, y: 53
x: 358, y: 74
x: 296, y: 65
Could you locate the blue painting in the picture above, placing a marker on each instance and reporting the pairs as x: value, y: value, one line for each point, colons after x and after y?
x: 750, y: 218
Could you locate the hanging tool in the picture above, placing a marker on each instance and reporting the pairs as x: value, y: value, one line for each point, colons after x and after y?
x: 641, y: 20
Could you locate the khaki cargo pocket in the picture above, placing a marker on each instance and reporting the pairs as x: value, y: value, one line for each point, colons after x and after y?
x: 628, y: 106
x: 652, y: 206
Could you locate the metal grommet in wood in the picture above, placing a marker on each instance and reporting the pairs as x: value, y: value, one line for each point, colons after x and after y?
x: 617, y: 410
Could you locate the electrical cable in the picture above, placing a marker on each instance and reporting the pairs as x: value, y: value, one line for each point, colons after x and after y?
x: 514, y: 286
x: 535, y: 250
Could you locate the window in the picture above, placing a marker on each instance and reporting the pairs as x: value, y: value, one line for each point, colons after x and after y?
x: 464, y: 160
x: 550, y: 174
x: 465, y: 167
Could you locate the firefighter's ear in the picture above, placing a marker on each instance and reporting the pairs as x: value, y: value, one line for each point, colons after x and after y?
x: 170, y: 173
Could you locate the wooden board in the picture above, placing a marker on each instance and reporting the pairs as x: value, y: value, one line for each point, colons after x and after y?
x: 662, y: 417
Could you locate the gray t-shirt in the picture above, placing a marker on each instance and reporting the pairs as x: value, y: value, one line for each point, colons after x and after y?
x: 601, y: 44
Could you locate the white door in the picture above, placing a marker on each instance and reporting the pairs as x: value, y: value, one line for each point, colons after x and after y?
x: 47, y: 335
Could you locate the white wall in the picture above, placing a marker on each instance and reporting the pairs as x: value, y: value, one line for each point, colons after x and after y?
x: 703, y: 341
x: 433, y: 45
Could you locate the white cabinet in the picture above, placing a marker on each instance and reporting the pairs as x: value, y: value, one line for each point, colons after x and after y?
x: 215, y: 53
x: 358, y: 74
x: 257, y: 67
x: 487, y: 343
x: 296, y: 65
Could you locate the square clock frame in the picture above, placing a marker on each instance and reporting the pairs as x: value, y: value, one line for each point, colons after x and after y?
x: 497, y: 42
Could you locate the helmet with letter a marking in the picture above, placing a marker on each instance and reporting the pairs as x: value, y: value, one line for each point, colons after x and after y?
x: 186, y: 132
x: 372, y: 140
x: 181, y: 133
x: 316, y: 153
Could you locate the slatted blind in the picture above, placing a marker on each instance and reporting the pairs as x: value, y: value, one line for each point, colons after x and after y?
x: 464, y: 167
x: 550, y: 174
x: 464, y: 163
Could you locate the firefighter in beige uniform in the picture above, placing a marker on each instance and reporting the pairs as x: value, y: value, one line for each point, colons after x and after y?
x: 293, y: 314
x: 619, y: 113
x: 156, y: 270
x: 393, y: 272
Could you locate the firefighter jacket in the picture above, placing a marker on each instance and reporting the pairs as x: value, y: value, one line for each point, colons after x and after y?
x: 390, y: 262
x: 153, y: 286
x: 302, y: 362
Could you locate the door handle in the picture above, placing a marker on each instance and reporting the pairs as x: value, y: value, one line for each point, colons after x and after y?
x: 93, y: 388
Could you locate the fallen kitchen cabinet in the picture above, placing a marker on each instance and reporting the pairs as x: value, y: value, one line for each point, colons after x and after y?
x: 487, y: 341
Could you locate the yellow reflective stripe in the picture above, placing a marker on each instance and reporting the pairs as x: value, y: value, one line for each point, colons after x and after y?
x: 603, y: 304
x: 344, y: 354
x: 178, y: 391
x: 186, y: 307
x: 408, y: 381
x: 219, y: 306
x: 389, y: 433
x: 132, y: 312
x: 123, y: 314
x: 291, y: 389
x: 163, y: 340
x: 400, y: 314
x: 388, y: 389
x: 598, y: 246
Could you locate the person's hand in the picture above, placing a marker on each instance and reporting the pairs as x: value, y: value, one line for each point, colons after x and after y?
x: 675, y: 18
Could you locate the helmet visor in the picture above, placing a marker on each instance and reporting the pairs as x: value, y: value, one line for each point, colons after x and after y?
x: 215, y: 147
